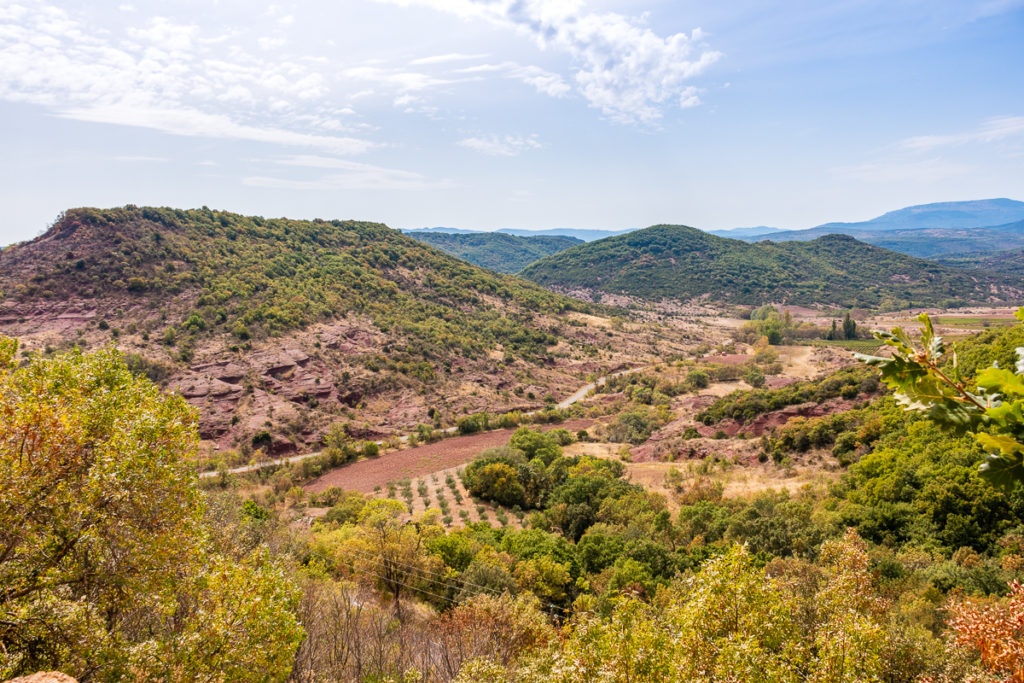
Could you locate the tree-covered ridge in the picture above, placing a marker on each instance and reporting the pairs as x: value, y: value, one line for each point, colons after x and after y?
x: 498, y: 251
x: 1007, y: 262
x: 678, y: 262
x: 219, y: 271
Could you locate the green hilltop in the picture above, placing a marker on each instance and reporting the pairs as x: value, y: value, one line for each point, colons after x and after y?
x: 214, y: 271
x: 679, y: 262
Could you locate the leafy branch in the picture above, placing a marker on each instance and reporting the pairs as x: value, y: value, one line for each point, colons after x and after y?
x: 993, y: 413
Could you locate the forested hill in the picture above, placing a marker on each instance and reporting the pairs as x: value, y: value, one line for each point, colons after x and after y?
x: 271, y: 327
x: 498, y: 251
x: 219, y: 271
x: 679, y: 262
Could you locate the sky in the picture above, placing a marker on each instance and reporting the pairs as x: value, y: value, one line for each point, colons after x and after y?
x: 487, y: 114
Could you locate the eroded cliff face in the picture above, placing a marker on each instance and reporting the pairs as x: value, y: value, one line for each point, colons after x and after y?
x: 294, y: 386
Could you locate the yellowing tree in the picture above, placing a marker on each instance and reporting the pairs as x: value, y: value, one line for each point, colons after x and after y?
x: 106, y: 570
x: 391, y: 553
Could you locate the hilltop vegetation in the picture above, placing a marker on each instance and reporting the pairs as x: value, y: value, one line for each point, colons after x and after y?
x: 498, y: 251
x: 678, y: 262
x: 254, y: 277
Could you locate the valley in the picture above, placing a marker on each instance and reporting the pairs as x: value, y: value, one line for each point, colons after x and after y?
x: 505, y: 341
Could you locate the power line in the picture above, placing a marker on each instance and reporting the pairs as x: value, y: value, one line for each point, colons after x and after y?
x: 440, y: 579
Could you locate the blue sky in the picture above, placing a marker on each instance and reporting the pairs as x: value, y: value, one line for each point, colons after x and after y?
x: 510, y: 113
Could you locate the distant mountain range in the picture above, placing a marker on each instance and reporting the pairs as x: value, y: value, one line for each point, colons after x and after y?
x: 740, y: 233
x: 926, y: 230
x: 582, y: 234
x: 969, y: 214
x: 680, y: 263
x: 498, y: 251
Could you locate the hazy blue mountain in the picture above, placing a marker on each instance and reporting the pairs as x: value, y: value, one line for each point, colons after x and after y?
x: 579, y: 233
x: 926, y: 242
x: 451, y: 231
x: 741, y: 233
x: 969, y: 214
x: 942, y: 215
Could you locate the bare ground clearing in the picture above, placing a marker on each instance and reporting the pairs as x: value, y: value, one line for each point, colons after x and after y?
x: 420, y: 461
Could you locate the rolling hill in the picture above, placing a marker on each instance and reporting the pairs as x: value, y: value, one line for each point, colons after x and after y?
x: 679, y: 262
x: 280, y: 327
x: 583, y: 234
x: 498, y: 251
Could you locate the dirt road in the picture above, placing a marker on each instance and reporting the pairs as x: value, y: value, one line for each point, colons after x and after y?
x: 576, y: 397
x: 422, y: 460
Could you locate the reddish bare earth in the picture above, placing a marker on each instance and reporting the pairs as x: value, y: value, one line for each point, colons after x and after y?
x: 416, y: 462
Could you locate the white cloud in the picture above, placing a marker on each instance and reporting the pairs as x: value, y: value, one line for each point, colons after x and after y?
x: 161, y: 75
x: 689, y: 98
x: 166, y: 34
x: 543, y: 81
x: 621, y: 66
x: 349, y: 175
x: 401, y: 80
x: 271, y: 43
x: 194, y: 123
x: 507, y: 146
x: 993, y: 130
x: 443, y: 59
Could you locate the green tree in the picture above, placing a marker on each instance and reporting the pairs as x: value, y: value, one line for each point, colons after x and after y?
x: 106, y: 568
x: 849, y: 327
x: 390, y: 552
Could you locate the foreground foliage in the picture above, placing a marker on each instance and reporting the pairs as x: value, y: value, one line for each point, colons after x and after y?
x: 993, y: 413
x: 106, y: 567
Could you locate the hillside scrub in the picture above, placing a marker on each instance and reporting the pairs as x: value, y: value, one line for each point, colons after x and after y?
x: 251, y: 277
x: 745, y: 405
x: 496, y: 250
